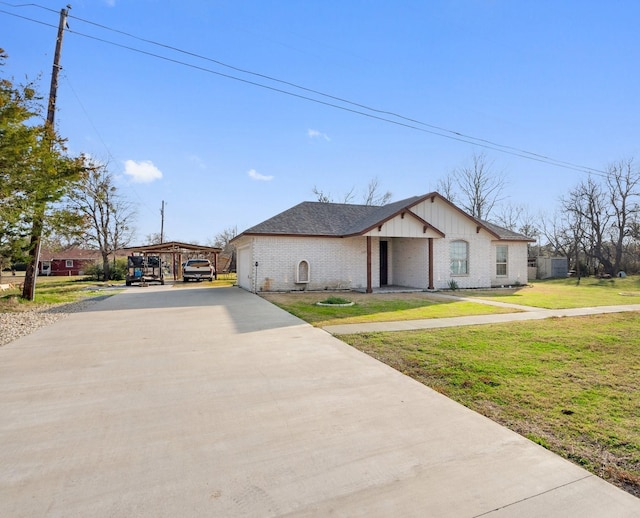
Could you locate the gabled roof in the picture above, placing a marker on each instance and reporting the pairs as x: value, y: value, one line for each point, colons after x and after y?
x: 505, y: 234
x: 71, y: 252
x: 344, y: 220
x: 312, y: 218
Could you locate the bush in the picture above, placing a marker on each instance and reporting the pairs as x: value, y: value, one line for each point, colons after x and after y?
x: 119, y: 272
x: 453, y: 285
x: 94, y: 272
x: 335, y: 300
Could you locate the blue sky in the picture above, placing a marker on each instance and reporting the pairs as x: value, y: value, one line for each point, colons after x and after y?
x: 556, y: 78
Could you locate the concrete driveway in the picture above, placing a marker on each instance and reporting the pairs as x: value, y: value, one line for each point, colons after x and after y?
x: 201, y: 402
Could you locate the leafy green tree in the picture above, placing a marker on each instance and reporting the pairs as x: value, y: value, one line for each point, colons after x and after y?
x: 35, y: 172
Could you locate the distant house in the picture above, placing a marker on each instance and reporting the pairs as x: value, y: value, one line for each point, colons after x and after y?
x: 69, y: 261
x: 72, y: 260
x: 423, y: 242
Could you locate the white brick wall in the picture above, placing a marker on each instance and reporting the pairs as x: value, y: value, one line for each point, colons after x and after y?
x: 516, y: 265
x: 410, y: 265
x: 334, y: 263
x: 479, y: 275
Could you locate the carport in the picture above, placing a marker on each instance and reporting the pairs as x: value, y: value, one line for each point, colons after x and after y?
x: 179, y: 252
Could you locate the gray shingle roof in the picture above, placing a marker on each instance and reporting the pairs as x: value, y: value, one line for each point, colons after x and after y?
x: 314, y: 218
x: 505, y: 233
x: 311, y: 218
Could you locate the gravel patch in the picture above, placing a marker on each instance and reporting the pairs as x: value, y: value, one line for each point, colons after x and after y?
x: 14, y: 325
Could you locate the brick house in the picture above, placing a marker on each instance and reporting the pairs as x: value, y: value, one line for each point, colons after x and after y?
x: 423, y: 242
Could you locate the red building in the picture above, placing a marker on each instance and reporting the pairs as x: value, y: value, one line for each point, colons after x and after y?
x: 70, y: 261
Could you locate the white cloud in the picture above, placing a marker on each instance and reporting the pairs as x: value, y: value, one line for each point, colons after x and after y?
x: 142, y: 172
x: 260, y: 177
x: 311, y: 133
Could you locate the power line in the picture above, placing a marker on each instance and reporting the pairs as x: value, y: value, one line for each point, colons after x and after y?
x: 110, y: 155
x: 378, y: 114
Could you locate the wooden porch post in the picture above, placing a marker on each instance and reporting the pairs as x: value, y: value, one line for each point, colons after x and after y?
x: 369, y: 288
x: 431, y: 287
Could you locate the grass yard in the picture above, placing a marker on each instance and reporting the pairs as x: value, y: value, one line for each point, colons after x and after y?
x: 51, y: 290
x: 375, y: 307
x: 223, y: 280
x: 566, y: 293
x: 569, y: 384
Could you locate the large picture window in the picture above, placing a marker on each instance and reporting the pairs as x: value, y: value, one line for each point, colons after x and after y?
x: 459, y: 258
x: 501, y: 260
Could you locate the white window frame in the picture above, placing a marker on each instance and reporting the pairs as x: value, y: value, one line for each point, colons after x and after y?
x: 502, y: 262
x: 459, y: 266
x: 68, y: 263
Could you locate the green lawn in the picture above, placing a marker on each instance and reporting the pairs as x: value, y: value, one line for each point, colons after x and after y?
x: 566, y: 293
x: 376, y: 307
x: 50, y: 290
x: 569, y: 384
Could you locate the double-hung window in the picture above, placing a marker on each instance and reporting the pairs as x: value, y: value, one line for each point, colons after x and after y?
x: 459, y: 251
x: 501, y: 260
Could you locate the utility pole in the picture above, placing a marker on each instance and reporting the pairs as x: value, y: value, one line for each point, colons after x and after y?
x: 29, y: 289
x: 53, y: 91
x: 162, y: 223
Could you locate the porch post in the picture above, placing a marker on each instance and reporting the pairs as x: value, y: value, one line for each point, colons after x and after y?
x: 431, y: 287
x: 369, y: 288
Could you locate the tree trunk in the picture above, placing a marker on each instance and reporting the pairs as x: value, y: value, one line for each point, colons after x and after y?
x: 29, y: 288
x: 105, y: 266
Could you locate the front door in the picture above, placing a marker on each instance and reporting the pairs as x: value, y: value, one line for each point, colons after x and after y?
x: 384, y: 263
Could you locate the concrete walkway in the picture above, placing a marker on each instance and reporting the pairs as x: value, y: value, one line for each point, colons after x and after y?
x: 524, y: 313
x: 192, y: 402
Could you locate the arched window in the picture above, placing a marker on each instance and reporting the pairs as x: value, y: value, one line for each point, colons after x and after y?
x: 303, y: 272
x: 459, y: 252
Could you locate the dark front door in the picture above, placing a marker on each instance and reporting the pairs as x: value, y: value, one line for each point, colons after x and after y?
x: 384, y: 263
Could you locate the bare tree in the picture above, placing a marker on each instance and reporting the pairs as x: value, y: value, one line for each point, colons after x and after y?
x: 223, y: 239
x: 326, y: 197
x: 447, y: 187
x: 108, y: 216
x: 510, y: 216
x: 556, y: 231
x: 321, y: 196
x: 476, y: 188
x: 575, y: 227
x: 623, y: 183
x: 518, y: 219
x: 155, y: 238
x: 371, y: 196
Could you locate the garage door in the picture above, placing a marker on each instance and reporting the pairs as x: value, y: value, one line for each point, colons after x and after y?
x: 244, y: 268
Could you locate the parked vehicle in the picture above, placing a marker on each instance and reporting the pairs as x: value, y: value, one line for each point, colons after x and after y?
x: 144, y: 269
x: 197, y: 269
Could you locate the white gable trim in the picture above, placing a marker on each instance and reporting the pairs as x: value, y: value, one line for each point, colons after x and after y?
x: 405, y: 224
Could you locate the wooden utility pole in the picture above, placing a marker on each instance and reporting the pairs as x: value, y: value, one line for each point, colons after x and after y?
x: 29, y: 289
x: 53, y: 91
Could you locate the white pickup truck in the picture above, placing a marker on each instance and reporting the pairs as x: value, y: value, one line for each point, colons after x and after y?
x: 197, y: 269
